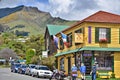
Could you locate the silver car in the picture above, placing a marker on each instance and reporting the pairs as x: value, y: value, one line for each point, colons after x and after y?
x: 29, y: 69
x: 42, y: 71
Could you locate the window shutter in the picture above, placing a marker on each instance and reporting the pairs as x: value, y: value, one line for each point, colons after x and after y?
x: 109, y: 35
x: 96, y: 35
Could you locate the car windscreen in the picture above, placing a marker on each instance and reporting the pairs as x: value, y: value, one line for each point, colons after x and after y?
x: 43, y: 68
x: 24, y: 66
x: 17, y: 65
x: 32, y: 66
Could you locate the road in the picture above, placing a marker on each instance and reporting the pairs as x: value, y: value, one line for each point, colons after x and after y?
x: 5, y: 74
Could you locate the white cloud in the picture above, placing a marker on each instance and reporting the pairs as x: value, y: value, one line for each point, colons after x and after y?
x: 79, y: 9
x: 68, y: 9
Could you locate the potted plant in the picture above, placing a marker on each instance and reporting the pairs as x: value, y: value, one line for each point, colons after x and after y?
x: 103, y: 40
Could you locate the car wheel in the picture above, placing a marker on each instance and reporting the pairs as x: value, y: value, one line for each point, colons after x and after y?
x: 20, y: 72
x: 11, y: 70
x: 14, y: 71
x: 32, y: 75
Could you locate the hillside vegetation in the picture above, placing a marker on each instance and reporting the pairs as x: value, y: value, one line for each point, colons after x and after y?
x: 33, y: 19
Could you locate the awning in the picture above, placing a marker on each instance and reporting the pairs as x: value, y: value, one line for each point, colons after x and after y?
x: 100, y: 49
x: 88, y: 49
x: 67, y: 52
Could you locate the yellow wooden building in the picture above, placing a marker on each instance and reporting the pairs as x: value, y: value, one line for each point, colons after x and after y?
x: 95, y: 39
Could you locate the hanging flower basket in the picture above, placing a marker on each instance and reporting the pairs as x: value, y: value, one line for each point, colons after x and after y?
x: 104, y: 40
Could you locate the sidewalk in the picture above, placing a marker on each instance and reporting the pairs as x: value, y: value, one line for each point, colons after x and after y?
x: 87, y: 78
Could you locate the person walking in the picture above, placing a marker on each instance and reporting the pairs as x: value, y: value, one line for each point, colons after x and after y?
x: 93, y: 72
x: 74, y: 72
x: 83, y: 71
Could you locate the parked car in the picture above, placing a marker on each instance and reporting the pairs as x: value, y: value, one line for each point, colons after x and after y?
x: 42, y: 71
x: 29, y: 69
x: 14, y: 67
x: 22, y: 68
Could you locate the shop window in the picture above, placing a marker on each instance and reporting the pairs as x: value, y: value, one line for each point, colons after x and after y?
x: 104, y: 60
x: 69, y: 39
x: 78, y: 60
x: 62, y: 64
x: 102, y: 35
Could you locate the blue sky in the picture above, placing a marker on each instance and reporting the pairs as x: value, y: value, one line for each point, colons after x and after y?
x: 67, y: 9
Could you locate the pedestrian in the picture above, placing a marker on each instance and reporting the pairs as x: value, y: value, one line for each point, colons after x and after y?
x: 74, y: 72
x: 83, y: 71
x: 93, y: 72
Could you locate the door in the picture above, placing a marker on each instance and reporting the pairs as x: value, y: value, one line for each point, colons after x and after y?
x: 69, y: 64
x: 87, y: 59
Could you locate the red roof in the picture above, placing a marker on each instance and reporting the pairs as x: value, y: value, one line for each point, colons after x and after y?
x: 103, y: 16
x: 100, y: 16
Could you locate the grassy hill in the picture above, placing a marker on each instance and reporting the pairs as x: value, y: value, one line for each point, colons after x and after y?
x: 34, y: 20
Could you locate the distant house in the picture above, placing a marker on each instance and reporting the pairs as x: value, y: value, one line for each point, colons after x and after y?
x: 50, y: 31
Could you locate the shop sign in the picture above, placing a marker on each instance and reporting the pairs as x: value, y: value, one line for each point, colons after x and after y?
x: 44, y: 53
x: 78, y: 38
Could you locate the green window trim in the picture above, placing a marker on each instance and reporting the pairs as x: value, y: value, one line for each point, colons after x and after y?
x: 96, y: 34
x: 108, y: 36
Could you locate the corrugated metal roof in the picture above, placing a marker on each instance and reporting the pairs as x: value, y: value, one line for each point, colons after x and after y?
x: 67, y: 52
x: 54, y: 29
x: 88, y: 49
x: 100, y: 49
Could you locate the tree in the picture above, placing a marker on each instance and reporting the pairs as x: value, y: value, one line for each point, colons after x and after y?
x: 29, y: 55
x: 50, y: 61
x: 37, y: 43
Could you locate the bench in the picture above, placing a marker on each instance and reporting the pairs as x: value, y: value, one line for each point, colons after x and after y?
x: 104, y: 75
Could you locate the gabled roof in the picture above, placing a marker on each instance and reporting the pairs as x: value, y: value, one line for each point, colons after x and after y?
x: 100, y: 16
x: 103, y: 16
x: 54, y: 29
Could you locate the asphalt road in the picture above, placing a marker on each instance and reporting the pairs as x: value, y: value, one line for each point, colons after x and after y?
x: 5, y: 74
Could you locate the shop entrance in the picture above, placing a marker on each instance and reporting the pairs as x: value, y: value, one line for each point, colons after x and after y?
x: 87, y: 59
x: 69, y: 64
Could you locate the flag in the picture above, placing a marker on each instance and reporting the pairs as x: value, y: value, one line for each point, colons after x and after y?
x: 56, y: 41
x: 64, y: 38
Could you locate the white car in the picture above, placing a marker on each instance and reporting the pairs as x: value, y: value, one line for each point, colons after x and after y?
x: 29, y: 69
x: 42, y: 71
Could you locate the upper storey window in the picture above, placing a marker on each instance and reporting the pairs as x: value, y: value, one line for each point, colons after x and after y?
x: 78, y: 36
x: 69, y: 39
x: 102, y: 35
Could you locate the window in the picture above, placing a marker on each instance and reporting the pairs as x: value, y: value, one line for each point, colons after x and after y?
x: 61, y: 44
x: 78, y: 59
x: 102, y: 35
x: 78, y: 36
x: 79, y: 30
x: 62, y: 64
x: 69, y: 39
x: 104, y: 60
